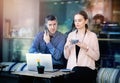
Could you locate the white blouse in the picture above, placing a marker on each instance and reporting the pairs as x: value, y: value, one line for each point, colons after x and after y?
x: 85, y: 58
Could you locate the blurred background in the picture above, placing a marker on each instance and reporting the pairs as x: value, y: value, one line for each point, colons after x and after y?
x: 20, y: 20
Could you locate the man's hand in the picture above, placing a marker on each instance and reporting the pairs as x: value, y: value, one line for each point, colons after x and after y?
x: 46, y: 37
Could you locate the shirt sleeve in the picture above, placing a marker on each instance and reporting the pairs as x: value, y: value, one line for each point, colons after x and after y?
x: 93, y: 50
x: 58, y: 50
x: 66, y: 44
x: 35, y: 44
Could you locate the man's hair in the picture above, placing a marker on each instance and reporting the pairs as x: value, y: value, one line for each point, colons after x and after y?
x: 50, y: 18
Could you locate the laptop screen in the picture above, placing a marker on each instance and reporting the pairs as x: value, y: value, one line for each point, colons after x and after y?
x: 45, y: 60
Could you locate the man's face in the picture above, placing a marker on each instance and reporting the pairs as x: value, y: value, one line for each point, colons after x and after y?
x: 52, y: 26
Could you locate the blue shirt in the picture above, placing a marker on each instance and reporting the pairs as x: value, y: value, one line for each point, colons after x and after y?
x: 55, y: 47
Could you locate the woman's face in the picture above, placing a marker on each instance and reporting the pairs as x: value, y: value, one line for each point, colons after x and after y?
x: 79, y: 21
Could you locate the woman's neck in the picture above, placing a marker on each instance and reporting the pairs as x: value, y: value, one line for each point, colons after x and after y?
x: 81, y: 31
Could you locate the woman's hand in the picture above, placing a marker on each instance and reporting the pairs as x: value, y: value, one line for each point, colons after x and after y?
x: 82, y: 45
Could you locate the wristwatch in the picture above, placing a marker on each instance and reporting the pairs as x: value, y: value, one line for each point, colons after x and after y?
x: 87, y: 48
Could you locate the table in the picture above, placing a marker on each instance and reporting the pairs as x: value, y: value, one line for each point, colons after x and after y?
x: 2, y: 66
x: 47, y: 75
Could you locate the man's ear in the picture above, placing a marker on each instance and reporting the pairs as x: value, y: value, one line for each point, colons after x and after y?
x: 45, y: 26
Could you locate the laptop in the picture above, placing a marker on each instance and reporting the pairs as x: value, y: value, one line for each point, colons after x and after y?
x: 45, y: 60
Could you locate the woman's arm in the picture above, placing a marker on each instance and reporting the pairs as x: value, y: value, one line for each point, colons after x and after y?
x: 93, y: 49
x: 67, y: 47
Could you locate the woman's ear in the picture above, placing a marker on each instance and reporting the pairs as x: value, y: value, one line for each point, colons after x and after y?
x: 86, y: 21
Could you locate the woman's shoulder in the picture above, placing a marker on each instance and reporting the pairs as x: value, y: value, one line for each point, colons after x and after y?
x: 72, y: 33
x: 91, y: 33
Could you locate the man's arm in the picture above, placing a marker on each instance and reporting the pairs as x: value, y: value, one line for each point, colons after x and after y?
x: 58, y: 50
x: 35, y: 44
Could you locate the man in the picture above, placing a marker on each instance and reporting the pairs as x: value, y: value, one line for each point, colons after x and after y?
x: 51, y: 42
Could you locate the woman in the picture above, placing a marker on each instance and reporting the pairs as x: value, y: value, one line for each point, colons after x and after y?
x: 82, y: 51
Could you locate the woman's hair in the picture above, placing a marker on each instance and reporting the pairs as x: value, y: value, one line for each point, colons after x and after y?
x: 84, y: 14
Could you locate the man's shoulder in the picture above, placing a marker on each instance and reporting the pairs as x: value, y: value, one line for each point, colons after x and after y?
x: 61, y: 35
x: 58, y: 32
x: 39, y: 33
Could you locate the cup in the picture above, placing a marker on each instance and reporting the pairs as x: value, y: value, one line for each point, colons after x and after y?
x: 40, y: 69
x: 74, y: 41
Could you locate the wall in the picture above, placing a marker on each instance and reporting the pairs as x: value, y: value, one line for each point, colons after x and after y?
x: 116, y: 11
x: 22, y: 19
x: 1, y: 27
x: 23, y: 16
x: 20, y: 23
